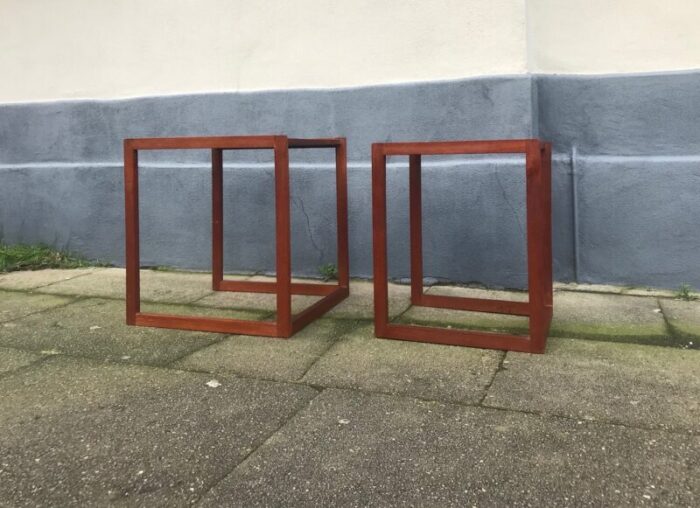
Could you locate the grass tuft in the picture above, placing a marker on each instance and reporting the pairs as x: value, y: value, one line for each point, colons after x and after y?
x: 685, y: 293
x: 328, y: 272
x: 38, y: 257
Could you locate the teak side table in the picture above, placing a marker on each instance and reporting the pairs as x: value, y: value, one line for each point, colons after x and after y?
x: 286, y: 324
x: 538, y: 308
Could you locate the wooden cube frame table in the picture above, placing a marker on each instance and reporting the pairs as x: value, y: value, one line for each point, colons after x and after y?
x: 538, y: 308
x: 286, y: 324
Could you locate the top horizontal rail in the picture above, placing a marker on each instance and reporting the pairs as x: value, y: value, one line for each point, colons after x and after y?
x: 315, y: 142
x: 207, y: 142
x: 456, y: 147
x: 228, y: 142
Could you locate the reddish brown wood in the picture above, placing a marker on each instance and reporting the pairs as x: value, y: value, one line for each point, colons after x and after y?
x: 298, y: 288
x: 539, y: 248
x: 131, y: 215
x: 381, y: 287
x: 207, y: 324
x: 341, y: 196
x: 416, y: 229
x: 286, y: 324
x: 217, y: 223
x: 476, y: 304
x: 319, y: 308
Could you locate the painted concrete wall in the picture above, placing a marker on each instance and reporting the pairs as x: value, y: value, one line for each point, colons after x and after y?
x: 53, y: 49
x: 627, y: 147
x: 629, y: 144
x: 613, y: 36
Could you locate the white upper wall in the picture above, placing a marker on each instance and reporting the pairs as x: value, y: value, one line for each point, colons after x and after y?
x: 613, y: 36
x: 58, y: 49
x: 51, y: 49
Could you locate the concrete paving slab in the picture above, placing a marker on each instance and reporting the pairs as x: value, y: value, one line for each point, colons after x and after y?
x: 431, y: 371
x: 260, y: 301
x: 14, y: 305
x: 684, y: 319
x: 13, y: 359
x: 353, y: 449
x: 76, y: 433
x: 431, y: 316
x: 609, y: 317
x: 360, y: 303
x: 269, y: 358
x: 646, y: 386
x: 253, y: 301
x: 158, y: 286
x: 96, y: 329
x: 31, y: 279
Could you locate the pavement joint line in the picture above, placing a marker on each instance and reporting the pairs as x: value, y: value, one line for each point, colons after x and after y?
x: 95, y: 269
x: 321, y: 388
x: 217, y: 481
x: 583, y: 420
x: 498, y: 369
x: 42, y: 358
x: 669, y: 327
x: 74, y: 299
x: 318, y: 357
x: 672, y: 330
x: 214, y: 342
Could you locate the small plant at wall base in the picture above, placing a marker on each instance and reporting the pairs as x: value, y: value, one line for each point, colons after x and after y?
x: 328, y: 271
x: 685, y: 293
x: 37, y: 257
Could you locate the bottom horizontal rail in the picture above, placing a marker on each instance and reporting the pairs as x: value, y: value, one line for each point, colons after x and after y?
x: 298, y: 288
x: 207, y: 324
x: 452, y: 337
x: 475, y: 304
x: 319, y: 308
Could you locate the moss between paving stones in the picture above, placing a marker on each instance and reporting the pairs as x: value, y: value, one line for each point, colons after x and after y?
x: 684, y: 320
x: 432, y: 371
x: 96, y: 328
x: 85, y: 433
x: 269, y: 358
x: 14, y: 305
x: 13, y: 359
x: 641, y: 386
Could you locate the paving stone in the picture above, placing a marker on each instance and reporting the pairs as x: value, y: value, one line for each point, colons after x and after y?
x: 684, y: 318
x: 647, y: 386
x: 589, y: 288
x: 609, y: 317
x: 360, y: 303
x: 14, y: 305
x: 353, y: 449
x: 76, y: 433
x: 431, y: 371
x: 12, y: 359
x: 254, y: 301
x: 30, y: 279
x: 96, y: 329
x: 269, y: 358
x: 431, y: 316
x: 169, y: 287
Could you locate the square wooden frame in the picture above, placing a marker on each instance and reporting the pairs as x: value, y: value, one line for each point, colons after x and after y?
x: 538, y: 309
x: 286, y: 324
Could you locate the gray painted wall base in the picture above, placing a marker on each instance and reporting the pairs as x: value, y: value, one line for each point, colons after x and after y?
x: 637, y: 176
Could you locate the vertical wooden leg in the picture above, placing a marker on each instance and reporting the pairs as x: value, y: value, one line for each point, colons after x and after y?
x: 547, y: 174
x: 131, y: 214
x: 341, y: 183
x: 381, y: 288
x: 536, y: 251
x: 283, y: 238
x: 416, y: 227
x: 217, y: 221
